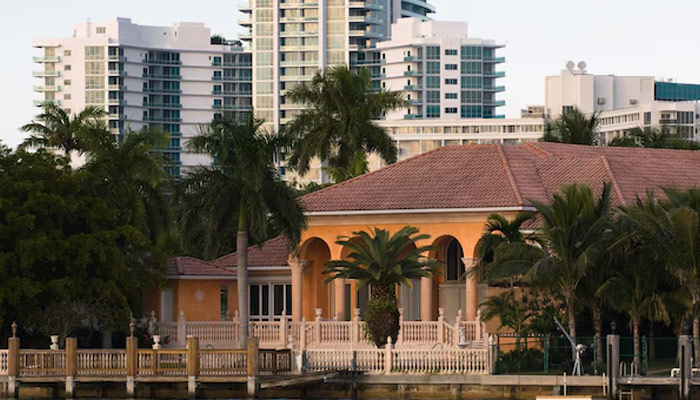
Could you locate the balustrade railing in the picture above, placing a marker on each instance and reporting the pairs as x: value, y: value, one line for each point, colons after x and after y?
x: 3, y: 362
x: 101, y: 362
x: 41, y: 362
x: 445, y: 361
x: 222, y: 362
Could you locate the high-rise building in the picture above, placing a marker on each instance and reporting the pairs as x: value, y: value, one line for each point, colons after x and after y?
x: 173, y: 77
x: 444, y: 72
x: 625, y: 102
x: 293, y: 39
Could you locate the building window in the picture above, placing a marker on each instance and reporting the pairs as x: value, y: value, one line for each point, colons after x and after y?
x: 269, y: 301
x: 450, y: 96
x: 432, y: 67
x: 471, y: 53
x: 451, y: 110
x: 101, y: 30
x: 432, y: 82
x: 67, y: 96
x: 471, y: 67
x: 450, y: 81
x: 67, y: 82
x: 432, y: 96
x: 66, y: 53
x: 224, y: 302
x: 66, y: 67
x: 451, y: 67
x: 567, y: 109
x: 432, y: 112
x: 471, y: 112
x: 450, y: 52
x: 432, y: 52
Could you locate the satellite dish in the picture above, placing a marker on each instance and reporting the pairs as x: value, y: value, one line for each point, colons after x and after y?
x: 582, y: 65
x: 570, y: 65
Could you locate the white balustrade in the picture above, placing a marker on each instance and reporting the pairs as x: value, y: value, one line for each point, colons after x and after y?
x: 213, y: 331
x: 222, y: 362
x: 3, y: 362
x: 268, y: 332
x: 447, y: 361
x: 167, y: 331
x: 101, y: 362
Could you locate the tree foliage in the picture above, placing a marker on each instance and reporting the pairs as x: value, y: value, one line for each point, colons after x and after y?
x: 574, y: 127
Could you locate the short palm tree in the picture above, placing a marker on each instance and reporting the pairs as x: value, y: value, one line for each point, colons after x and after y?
x: 55, y: 128
x: 672, y: 225
x: 242, y: 189
x: 130, y: 174
x: 382, y: 261
x: 573, y: 224
x: 338, y: 123
x: 574, y: 127
x: 512, y: 313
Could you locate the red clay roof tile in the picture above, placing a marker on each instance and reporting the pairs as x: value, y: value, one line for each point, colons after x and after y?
x: 273, y: 253
x: 188, y: 266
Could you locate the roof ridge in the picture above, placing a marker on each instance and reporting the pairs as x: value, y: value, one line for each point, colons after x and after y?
x: 536, y: 149
x: 381, y: 170
x: 613, y: 180
x: 509, y: 173
x: 253, y: 246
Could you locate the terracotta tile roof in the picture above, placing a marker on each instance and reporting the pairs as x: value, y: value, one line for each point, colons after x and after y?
x: 486, y: 176
x: 188, y: 266
x: 274, y: 253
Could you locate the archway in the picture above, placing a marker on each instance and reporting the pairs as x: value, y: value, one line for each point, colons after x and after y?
x: 316, y: 292
x: 450, y: 288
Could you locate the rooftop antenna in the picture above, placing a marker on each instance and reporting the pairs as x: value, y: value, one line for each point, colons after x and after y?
x: 580, y: 348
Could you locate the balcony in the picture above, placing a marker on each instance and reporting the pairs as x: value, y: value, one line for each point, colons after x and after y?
x: 378, y: 76
x: 230, y: 107
x: 495, y: 103
x: 299, y: 63
x: 116, y: 72
x: 232, y: 78
x: 298, y: 33
x: 299, y: 4
x: 245, y: 22
x: 299, y: 19
x: 294, y: 48
x: 161, y: 105
x: 364, y: 19
x: 413, y: 73
x: 413, y: 58
x: 413, y: 88
x: 369, y: 5
x: 46, y: 73
x: 494, y: 74
x: 116, y: 116
x: 116, y: 87
x: 118, y: 58
x: 369, y: 62
x: 162, y: 119
x: 47, y: 59
x: 153, y: 61
x: 120, y: 102
x: 39, y: 103
x: 162, y: 90
x: 163, y: 77
x: 412, y: 116
x: 230, y: 64
x: 495, y: 60
x: 46, y: 88
x: 494, y: 89
x: 365, y: 33
x: 245, y: 8
x: 415, y: 102
x: 245, y: 36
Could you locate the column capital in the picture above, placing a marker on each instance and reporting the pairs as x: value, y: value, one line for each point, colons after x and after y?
x: 297, y: 265
x: 470, y: 261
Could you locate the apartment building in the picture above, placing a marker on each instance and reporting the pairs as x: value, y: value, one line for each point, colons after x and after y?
x: 168, y: 77
x: 445, y: 73
x: 625, y: 102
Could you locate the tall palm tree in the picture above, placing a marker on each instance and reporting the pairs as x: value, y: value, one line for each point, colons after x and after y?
x: 337, y: 124
x: 55, y: 128
x: 572, y: 227
x: 501, y: 238
x: 574, y: 127
x: 656, y: 138
x: 672, y: 225
x: 241, y: 189
x: 130, y: 175
x: 634, y: 287
x: 382, y: 261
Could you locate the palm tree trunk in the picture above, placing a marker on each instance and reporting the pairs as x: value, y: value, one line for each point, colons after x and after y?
x: 696, y: 340
x: 242, y: 276
x: 637, y: 345
x: 572, y: 320
x: 598, y: 328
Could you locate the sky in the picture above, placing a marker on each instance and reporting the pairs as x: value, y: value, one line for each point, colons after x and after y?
x: 620, y: 37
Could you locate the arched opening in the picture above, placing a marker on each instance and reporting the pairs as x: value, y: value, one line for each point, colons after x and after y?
x: 450, y: 293
x: 316, y: 291
x: 409, y: 297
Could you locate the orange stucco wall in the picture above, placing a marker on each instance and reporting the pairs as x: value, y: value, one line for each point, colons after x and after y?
x: 200, y: 300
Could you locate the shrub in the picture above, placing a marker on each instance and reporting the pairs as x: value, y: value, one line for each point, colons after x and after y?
x: 382, y: 321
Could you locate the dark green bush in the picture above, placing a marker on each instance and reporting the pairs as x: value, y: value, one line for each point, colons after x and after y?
x: 382, y: 321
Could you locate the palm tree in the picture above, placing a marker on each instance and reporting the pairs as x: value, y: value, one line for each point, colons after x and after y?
x: 512, y: 313
x: 382, y: 261
x: 572, y: 226
x: 337, y: 124
x: 241, y: 189
x: 672, y: 225
x: 574, y: 127
x: 501, y: 237
x: 634, y: 287
x: 649, y: 137
x: 55, y: 128
x: 130, y: 176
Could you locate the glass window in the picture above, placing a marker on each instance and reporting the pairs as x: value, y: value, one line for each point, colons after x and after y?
x: 471, y: 52
x: 433, y: 67
x: 432, y: 52
x: 433, y: 96
x: 432, y: 82
x: 471, y: 112
x: 450, y: 81
x: 450, y: 96
x: 432, y: 111
x: 451, y: 67
x: 471, y: 67
x: 450, y: 52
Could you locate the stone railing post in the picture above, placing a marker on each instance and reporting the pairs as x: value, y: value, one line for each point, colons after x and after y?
x: 71, y: 365
x: 181, y: 329
x: 192, y: 365
x: 493, y: 354
x: 283, y: 330
x: 355, y: 339
x: 252, y: 367
x: 13, y: 363
x: 441, y: 325
x: 399, y: 338
x: 152, y: 323
x: 132, y: 351
x: 457, y: 338
x: 387, y: 356
x: 317, y: 327
x: 302, y: 334
x: 237, y: 329
x: 479, y: 326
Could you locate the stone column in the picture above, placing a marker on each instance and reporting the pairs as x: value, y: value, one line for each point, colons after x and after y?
x: 426, y: 299
x: 339, y: 299
x: 472, y: 291
x: 297, y: 267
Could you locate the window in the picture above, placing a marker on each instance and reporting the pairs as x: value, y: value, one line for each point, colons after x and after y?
x: 432, y: 112
x: 67, y: 67
x: 432, y: 52
x: 450, y: 52
x: 432, y: 82
x: 94, y: 53
x: 224, y: 302
x: 471, y: 82
x: 471, y: 96
x: 269, y: 301
x: 432, y: 67
x: 471, y: 112
x: 454, y: 265
x: 451, y: 67
x: 432, y: 96
x: 67, y: 82
x: 567, y: 109
x: 67, y: 96
x: 450, y: 96
x: 451, y: 110
x: 471, y: 53
x: 471, y: 67
x: 450, y: 81
x: 101, y: 30
x: 66, y: 53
